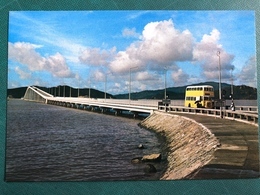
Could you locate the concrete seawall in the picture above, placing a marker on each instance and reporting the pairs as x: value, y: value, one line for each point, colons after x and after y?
x: 190, y: 144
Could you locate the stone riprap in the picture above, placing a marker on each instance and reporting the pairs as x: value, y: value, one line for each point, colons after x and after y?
x: 190, y: 144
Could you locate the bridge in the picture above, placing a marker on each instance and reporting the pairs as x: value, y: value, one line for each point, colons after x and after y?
x: 237, y: 154
x: 247, y: 114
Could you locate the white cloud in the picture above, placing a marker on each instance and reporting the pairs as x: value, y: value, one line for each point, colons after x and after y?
x: 179, y: 77
x: 162, y: 43
x: 98, y: 76
x: 248, y: 74
x: 144, y: 76
x: 96, y: 56
x: 22, y: 74
x: 123, y: 62
x: 206, y: 54
x: 118, y: 85
x: 57, y: 65
x: 136, y: 15
x: 159, y: 44
x: 25, y: 54
x: 47, y: 32
x: 212, y: 38
x: 127, y: 32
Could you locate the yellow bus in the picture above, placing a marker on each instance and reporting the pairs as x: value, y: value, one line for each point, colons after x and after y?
x: 199, y: 96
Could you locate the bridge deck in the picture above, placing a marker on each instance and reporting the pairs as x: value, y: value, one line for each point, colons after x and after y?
x: 249, y: 115
x: 103, y: 104
x: 238, y: 155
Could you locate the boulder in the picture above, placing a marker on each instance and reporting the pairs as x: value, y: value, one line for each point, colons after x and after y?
x: 149, y: 168
x: 136, y: 160
x: 141, y: 146
x: 152, y: 158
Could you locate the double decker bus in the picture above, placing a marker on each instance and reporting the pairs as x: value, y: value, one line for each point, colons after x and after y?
x: 199, y: 96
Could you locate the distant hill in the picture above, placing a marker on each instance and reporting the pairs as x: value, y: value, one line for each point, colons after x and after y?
x: 59, y: 91
x: 177, y: 93
x: 16, y: 92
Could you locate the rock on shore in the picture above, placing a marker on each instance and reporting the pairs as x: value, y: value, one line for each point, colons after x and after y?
x: 190, y: 144
x: 152, y: 157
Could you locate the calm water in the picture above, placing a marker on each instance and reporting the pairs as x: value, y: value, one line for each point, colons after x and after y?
x: 51, y: 143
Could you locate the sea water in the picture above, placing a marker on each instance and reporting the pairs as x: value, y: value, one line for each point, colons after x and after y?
x: 52, y: 143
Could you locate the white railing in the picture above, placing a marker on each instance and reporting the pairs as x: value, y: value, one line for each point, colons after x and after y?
x: 248, y: 114
x: 250, y: 117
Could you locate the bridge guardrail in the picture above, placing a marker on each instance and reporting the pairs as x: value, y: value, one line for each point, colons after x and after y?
x: 239, y: 115
x: 248, y: 114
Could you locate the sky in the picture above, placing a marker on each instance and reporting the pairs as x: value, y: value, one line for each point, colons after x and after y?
x: 115, y: 50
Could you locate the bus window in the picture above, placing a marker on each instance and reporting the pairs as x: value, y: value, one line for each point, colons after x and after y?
x: 202, y: 93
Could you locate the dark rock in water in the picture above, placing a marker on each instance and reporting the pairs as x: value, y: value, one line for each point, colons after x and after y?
x: 141, y: 146
x: 152, y: 158
x: 149, y: 168
x: 136, y: 160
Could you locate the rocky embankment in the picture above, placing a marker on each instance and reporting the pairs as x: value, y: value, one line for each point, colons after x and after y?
x: 190, y: 144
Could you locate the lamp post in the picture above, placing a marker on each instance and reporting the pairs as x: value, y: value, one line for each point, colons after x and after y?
x: 78, y: 79
x: 165, y: 72
x: 130, y: 71
x: 232, y: 91
x: 63, y: 87
x: 220, y: 96
x: 89, y: 88
x: 105, y: 87
x: 106, y: 84
x: 78, y: 88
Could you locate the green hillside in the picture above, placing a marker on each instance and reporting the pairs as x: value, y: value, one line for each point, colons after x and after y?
x: 178, y: 93
x: 175, y: 93
x: 59, y: 91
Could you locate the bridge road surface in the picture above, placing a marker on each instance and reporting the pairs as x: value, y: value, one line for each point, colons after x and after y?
x: 238, y: 154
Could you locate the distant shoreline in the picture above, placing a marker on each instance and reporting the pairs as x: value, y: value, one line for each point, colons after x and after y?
x: 174, y: 93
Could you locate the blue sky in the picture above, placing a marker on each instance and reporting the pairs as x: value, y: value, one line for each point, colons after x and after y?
x: 91, y: 48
